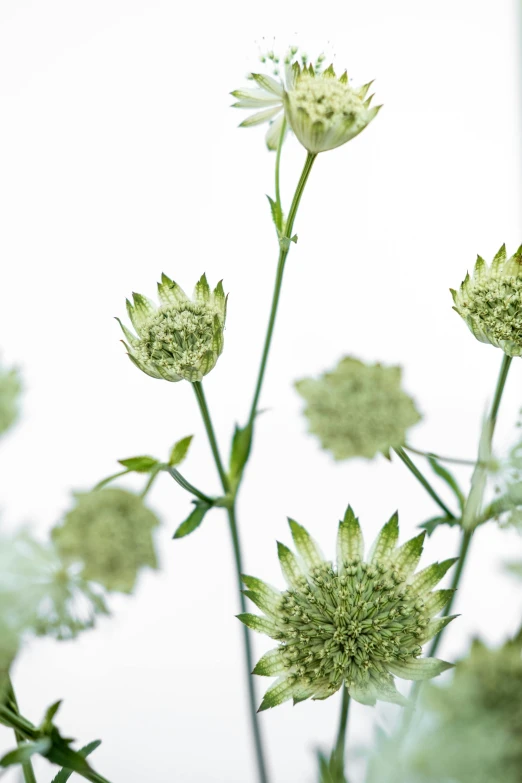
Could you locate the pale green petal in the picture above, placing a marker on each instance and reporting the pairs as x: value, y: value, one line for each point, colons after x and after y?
x: 260, y: 624
x: 253, y: 99
x: 364, y: 694
x: 129, y: 336
x: 305, y: 545
x: 350, y: 544
x: 261, y: 587
x: 273, y: 133
x: 499, y: 259
x: 267, y: 605
x: 170, y: 293
x: 406, y: 557
x: 269, y: 84
x: 148, y: 369
x: 419, y: 668
x: 260, y: 117
x: 385, y: 543
x: 143, y: 310
x: 202, y: 290
x: 289, y: 566
x: 280, y: 691
x: 426, y: 579
x: 435, y: 627
x: 389, y: 693
x: 271, y: 663
x: 435, y: 602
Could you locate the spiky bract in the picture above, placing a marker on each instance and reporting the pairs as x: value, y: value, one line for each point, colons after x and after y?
x: 357, y: 623
x: 108, y: 532
x: 490, y: 302
x: 10, y: 388
x: 181, y: 339
x: 357, y: 409
x: 323, y: 111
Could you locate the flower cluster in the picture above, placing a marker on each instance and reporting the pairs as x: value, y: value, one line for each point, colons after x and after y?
x: 357, y: 409
x: 10, y: 388
x: 109, y: 534
x: 357, y: 623
x: 180, y: 339
x: 323, y: 110
x: 490, y: 302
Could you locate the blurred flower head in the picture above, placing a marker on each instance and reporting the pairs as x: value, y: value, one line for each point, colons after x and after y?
x: 10, y: 388
x: 323, y: 110
x: 108, y: 534
x: 358, y: 623
x: 357, y: 409
x: 490, y: 302
x: 180, y: 339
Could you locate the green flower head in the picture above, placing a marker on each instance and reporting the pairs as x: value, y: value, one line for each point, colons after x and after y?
x: 323, y: 111
x: 357, y: 623
x: 181, y: 339
x: 358, y: 410
x: 40, y: 595
x: 108, y: 532
x: 10, y: 388
x: 490, y: 302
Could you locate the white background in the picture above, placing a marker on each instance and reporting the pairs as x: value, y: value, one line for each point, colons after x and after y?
x: 120, y: 159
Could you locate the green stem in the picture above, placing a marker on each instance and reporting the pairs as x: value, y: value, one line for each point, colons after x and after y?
x: 424, y: 481
x: 236, y: 545
x: 182, y: 481
x: 504, y: 369
x: 283, y: 253
x: 428, y: 454
x: 278, y: 164
x: 340, y: 745
x: 27, y: 767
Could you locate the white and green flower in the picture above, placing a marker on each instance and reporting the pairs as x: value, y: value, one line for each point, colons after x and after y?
x: 358, y: 623
x: 490, y: 302
x: 323, y: 110
x: 181, y: 339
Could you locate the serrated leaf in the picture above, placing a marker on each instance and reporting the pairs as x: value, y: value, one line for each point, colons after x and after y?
x: 193, y: 521
x: 431, y: 524
x: 305, y: 545
x: 289, y: 565
x: 280, y: 691
x: 277, y: 214
x: 270, y: 664
x: 407, y: 556
x: 240, y: 451
x: 418, y: 669
x: 259, y: 624
x: 143, y: 464
x: 449, y: 479
x: 22, y: 754
x: 386, y: 541
x: 179, y: 451
x: 350, y: 544
x: 64, y: 774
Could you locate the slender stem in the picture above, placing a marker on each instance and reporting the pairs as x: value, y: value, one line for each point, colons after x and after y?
x: 200, y: 395
x: 283, y: 253
x: 182, y: 481
x: 424, y: 481
x: 152, y: 478
x: 428, y: 454
x: 278, y: 163
x: 27, y: 767
x: 504, y: 369
x: 236, y: 545
x: 340, y: 745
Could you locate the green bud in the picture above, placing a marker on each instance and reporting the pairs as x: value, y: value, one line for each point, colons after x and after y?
x: 181, y: 339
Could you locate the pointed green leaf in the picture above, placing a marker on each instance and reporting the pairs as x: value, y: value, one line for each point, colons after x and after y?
x: 386, y: 541
x: 363, y: 694
x: 431, y: 524
x: 64, y: 774
x: 418, y: 668
x: 259, y: 624
x: 202, y: 290
x: 241, y: 443
x: 350, y: 544
x: 170, y: 293
x: 435, y: 602
x: 305, y: 545
x: 426, y: 579
x: 194, y: 519
x: 270, y: 664
x: 277, y: 213
x: 179, y: 450
x: 143, y: 310
x: 253, y: 583
x: 499, y: 259
x: 389, y: 693
x: 407, y: 556
x: 280, y: 691
x: 261, y: 600
x: 449, y: 479
x: 435, y: 627
x: 143, y: 464
x: 23, y: 753
x: 289, y: 566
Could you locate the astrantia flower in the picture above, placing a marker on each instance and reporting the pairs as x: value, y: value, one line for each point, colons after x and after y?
x: 109, y: 534
x: 491, y: 301
x: 10, y: 388
x: 39, y: 594
x: 357, y: 623
x: 180, y: 339
x: 358, y: 410
x: 323, y: 111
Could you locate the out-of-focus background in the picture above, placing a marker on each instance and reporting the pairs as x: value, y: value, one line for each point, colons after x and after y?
x: 120, y: 159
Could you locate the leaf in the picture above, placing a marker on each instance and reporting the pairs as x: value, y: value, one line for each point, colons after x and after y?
x: 194, y: 519
x: 141, y: 464
x: 277, y: 214
x: 179, y: 451
x: 449, y: 479
x: 419, y: 668
x: 64, y: 774
x: 23, y: 753
x: 240, y: 451
x: 432, y: 523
